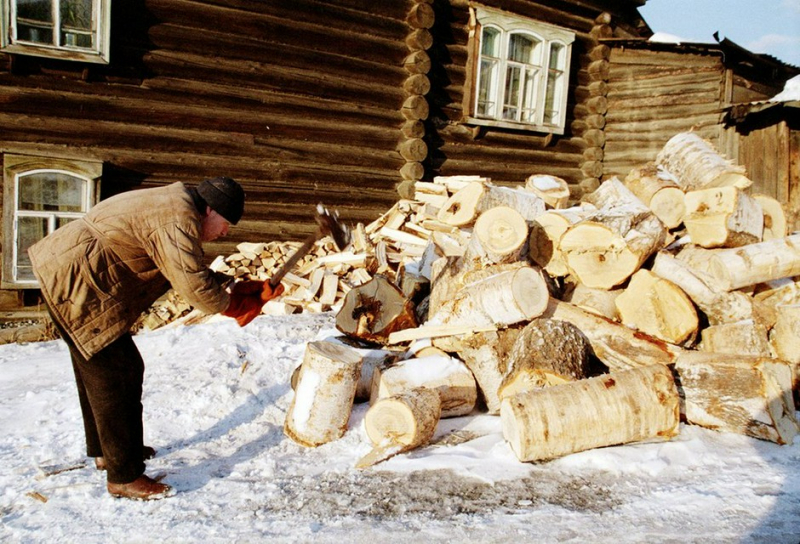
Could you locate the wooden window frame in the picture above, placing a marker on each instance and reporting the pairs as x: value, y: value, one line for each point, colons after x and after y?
x: 17, y: 166
x: 99, y: 53
x: 547, y: 35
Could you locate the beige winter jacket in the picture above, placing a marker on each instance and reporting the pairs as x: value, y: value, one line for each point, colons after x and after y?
x: 98, y: 273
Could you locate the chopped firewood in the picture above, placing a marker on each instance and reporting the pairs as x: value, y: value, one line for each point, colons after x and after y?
x: 599, y: 301
x: 697, y: 165
x: 499, y: 236
x: 785, y: 335
x: 444, y: 374
x: 742, y: 394
x: 374, y: 310
x: 400, y: 423
x: 323, y: 400
x: 745, y: 337
x: 547, y: 352
x: 739, y: 267
x: 659, y: 191
x: 545, y: 233
x: 723, y: 217
x: 775, y: 225
x: 553, y: 190
x: 617, y: 408
x: 658, y: 307
x: 464, y: 207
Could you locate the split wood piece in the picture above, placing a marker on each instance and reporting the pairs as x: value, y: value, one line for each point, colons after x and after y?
x: 545, y: 234
x: 616, y: 345
x: 639, y: 404
x: 785, y: 291
x: 785, y: 335
x: 499, y: 236
x: 374, y: 310
x: 719, y: 306
x: 604, y: 250
x: 448, y: 376
x: 723, y: 217
x: 752, y: 264
x: 741, y: 394
x: 323, y: 400
x: 599, y: 301
x: 744, y: 337
x: 502, y: 298
x: 658, y: 307
x: 775, y: 225
x: 464, y: 207
x: 400, y: 423
x: 370, y: 359
x: 553, y: 190
x: 697, y: 165
x: 486, y: 355
x: 659, y: 191
x: 547, y: 352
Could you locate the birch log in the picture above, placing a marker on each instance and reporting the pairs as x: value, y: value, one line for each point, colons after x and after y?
x: 323, y: 400
x: 775, y: 225
x: 697, y: 165
x: 746, y: 337
x: 464, y: 207
x: 742, y: 394
x: 659, y: 191
x: 499, y: 236
x: 448, y: 376
x: 545, y: 234
x: 617, y: 408
x: 552, y: 190
x: 723, y: 217
x: 763, y: 262
x: 599, y: 301
x: 785, y: 335
x: 658, y: 307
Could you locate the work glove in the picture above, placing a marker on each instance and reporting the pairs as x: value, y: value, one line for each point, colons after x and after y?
x: 247, y: 299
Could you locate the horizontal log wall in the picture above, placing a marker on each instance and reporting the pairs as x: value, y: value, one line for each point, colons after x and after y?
x: 509, y: 156
x: 653, y: 95
x: 300, y: 100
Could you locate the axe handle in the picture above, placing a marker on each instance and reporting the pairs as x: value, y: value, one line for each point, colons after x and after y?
x: 301, y: 252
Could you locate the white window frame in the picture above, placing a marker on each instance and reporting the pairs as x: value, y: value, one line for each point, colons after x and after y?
x: 547, y: 35
x: 101, y: 26
x: 15, y: 168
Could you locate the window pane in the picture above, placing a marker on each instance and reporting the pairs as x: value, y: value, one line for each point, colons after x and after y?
x: 529, y: 95
x: 35, y: 21
x: 490, y: 42
x: 521, y: 48
x: 513, y: 84
x: 51, y: 191
x: 36, y: 34
x: 76, y: 21
x: 29, y: 231
x: 487, y: 89
x: 556, y: 57
x: 555, y: 83
x: 35, y: 10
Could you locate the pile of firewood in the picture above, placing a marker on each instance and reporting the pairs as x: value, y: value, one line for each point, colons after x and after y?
x: 665, y: 297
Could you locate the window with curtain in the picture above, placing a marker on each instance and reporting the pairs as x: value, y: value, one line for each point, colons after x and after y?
x: 37, y: 200
x: 521, y: 72
x: 69, y: 29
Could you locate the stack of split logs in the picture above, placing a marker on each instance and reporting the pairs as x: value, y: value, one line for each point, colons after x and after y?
x: 668, y: 296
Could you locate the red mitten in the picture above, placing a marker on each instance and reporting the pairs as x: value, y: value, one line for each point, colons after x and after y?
x: 247, y: 287
x: 268, y: 292
x: 244, y: 307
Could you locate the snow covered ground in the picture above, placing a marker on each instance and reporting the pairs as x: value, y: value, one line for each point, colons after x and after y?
x: 215, y: 401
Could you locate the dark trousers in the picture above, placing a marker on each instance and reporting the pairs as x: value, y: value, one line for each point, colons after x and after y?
x: 110, y: 394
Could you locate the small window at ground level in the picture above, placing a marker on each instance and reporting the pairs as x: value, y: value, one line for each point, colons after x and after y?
x: 40, y: 195
x: 520, y: 72
x: 67, y: 29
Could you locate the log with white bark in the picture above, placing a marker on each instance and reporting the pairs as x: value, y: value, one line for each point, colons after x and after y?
x: 739, y: 267
x: 444, y: 374
x: 545, y: 233
x: 723, y: 217
x: 640, y: 404
x: 658, y: 307
x: 599, y: 301
x: 553, y: 190
x: 502, y: 298
x: 498, y: 236
x: 742, y: 394
x: 719, y: 306
x: 746, y: 337
x: 659, y: 191
x: 775, y: 225
x: 616, y: 345
x: 464, y: 207
x: 400, y: 423
x: 486, y: 355
x: 697, y: 165
x: 604, y: 250
x: 785, y: 335
x: 547, y: 352
x: 374, y: 310
x: 323, y: 399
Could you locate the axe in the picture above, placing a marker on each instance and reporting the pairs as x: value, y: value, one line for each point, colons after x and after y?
x: 328, y: 225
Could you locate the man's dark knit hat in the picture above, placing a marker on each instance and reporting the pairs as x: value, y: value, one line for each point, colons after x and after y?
x: 224, y: 196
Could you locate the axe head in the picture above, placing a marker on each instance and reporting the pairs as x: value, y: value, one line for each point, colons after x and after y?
x: 329, y: 224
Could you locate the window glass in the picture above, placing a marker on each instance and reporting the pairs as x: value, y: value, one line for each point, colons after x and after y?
x: 29, y: 231
x: 51, y: 191
x: 76, y: 23
x: 555, y: 76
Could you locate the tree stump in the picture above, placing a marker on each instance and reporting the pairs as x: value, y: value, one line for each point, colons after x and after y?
x: 323, y: 400
x: 616, y: 408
